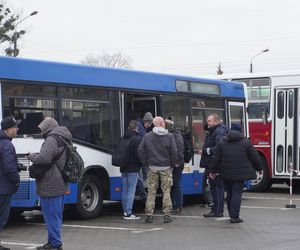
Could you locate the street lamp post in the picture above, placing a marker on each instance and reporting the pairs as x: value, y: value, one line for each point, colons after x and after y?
x: 251, y: 65
x: 15, y: 35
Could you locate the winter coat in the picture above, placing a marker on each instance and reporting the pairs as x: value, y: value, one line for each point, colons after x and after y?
x: 9, y: 176
x: 134, y: 164
x: 179, y: 145
x: 214, y: 135
x: 158, y: 148
x: 52, y: 184
x: 235, y: 158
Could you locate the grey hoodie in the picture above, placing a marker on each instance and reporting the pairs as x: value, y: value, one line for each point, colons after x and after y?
x: 52, y: 184
x: 158, y: 148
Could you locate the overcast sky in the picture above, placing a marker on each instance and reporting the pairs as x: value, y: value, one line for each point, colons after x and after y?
x: 187, y: 37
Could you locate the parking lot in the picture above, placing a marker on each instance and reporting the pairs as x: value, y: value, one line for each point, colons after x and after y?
x: 267, y: 225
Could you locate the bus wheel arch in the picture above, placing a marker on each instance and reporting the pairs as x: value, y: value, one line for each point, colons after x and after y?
x: 92, y: 190
x: 263, y: 181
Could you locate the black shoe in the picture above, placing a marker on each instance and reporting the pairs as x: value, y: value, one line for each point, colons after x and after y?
x: 149, y: 219
x: 4, y: 248
x: 177, y: 211
x: 236, y: 220
x: 212, y: 214
x: 48, y: 246
x: 167, y: 219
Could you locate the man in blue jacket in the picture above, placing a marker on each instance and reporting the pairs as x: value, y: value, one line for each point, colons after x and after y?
x: 216, y: 130
x: 9, y: 176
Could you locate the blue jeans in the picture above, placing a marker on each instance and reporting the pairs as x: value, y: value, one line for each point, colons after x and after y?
x: 234, y: 197
x: 217, y: 193
x: 52, y: 209
x: 4, y: 209
x: 176, y: 190
x: 129, y: 181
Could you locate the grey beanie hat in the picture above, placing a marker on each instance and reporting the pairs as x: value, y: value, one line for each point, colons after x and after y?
x: 47, y: 125
x: 148, y: 117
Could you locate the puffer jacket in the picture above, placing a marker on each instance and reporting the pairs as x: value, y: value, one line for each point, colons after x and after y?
x: 9, y: 176
x: 214, y: 135
x: 235, y: 158
x: 52, y: 184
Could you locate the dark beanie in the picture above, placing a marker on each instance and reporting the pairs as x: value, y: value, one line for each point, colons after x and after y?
x: 9, y: 122
x: 236, y: 127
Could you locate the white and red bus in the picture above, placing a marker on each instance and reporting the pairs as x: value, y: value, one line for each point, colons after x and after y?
x: 274, y: 123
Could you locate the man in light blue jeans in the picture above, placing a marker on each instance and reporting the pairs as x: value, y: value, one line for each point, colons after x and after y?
x: 129, y: 181
x: 130, y: 172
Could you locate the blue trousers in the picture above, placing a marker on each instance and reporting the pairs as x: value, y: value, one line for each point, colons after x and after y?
x: 129, y: 181
x: 217, y: 193
x: 176, y: 190
x: 234, y: 197
x: 52, y: 208
x: 4, y: 210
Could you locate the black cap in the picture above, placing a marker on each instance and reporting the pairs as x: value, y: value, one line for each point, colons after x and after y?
x: 9, y: 122
x: 236, y: 127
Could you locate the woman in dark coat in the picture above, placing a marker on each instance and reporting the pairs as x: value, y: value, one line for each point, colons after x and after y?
x: 237, y: 161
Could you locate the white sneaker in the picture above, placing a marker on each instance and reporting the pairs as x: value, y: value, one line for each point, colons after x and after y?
x: 130, y: 217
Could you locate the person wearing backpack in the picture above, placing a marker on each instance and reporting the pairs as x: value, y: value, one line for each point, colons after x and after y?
x: 130, y: 172
x: 52, y: 187
x: 176, y: 190
x: 216, y: 130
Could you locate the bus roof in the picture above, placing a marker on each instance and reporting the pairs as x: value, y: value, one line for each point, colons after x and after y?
x: 54, y: 72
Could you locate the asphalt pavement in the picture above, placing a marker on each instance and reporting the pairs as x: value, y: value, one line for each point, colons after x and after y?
x: 268, y: 224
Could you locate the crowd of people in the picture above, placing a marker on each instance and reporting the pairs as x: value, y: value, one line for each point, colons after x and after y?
x: 156, y: 155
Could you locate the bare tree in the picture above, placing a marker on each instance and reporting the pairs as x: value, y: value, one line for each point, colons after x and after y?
x: 9, y: 35
x: 115, y: 60
x: 219, y: 70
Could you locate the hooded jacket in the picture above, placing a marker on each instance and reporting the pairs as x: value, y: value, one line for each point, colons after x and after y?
x: 9, y: 176
x: 52, y: 184
x: 235, y: 158
x: 158, y: 148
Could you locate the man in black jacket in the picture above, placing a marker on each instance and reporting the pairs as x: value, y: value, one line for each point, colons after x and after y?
x: 236, y: 160
x: 216, y: 130
x: 130, y: 173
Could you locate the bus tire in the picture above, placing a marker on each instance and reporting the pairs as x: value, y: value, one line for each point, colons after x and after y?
x: 263, y: 181
x: 90, y: 197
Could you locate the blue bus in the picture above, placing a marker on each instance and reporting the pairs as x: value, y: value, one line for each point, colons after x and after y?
x: 95, y: 104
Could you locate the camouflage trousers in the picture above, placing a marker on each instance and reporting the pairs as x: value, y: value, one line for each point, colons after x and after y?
x: 166, y: 181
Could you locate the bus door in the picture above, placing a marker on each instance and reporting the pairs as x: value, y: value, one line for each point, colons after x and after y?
x: 142, y: 105
x: 286, y: 131
x: 237, y: 115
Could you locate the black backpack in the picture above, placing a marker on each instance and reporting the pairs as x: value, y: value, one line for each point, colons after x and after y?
x: 120, y: 158
x: 188, y: 147
x: 74, y: 166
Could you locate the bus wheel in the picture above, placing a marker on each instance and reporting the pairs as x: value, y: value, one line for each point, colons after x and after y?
x: 90, y: 197
x: 263, y: 181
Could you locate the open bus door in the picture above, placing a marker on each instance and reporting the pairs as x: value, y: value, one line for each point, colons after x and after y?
x: 138, y: 104
x: 286, y: 150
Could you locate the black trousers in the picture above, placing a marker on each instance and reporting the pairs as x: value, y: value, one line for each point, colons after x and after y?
x: 4, y: 209
x: 234, y: 197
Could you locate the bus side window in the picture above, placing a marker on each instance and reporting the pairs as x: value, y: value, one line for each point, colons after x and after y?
x: 32, y: 121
